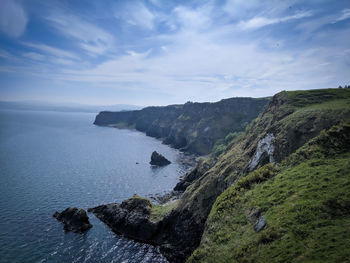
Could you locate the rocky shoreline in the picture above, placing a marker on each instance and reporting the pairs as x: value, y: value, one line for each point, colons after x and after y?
x: 139, y: 219
x: 134, y: 217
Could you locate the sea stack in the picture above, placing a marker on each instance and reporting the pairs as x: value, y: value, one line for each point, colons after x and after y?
x: 158, y: 159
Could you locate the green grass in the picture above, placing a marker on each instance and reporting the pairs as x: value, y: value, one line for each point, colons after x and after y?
x: 303, y: 98
x: 159, y: 211
x: 333, y: 104
x: 306, y: 203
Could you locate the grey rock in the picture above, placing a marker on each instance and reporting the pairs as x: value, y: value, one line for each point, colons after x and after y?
x: 260, y: 224
x: 264, y: 152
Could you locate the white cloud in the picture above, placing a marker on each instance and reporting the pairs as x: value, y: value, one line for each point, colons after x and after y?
x: 13, y: 19
x: 51, y: 50
x: 206, y: 56
x: 345, y: 15
x: 210, y: 70
x: 5, y: 54
x: 317, y: 23
x: 193, y: 19
x: 203, y: 61
x: 33, y: 55
x: 258, y: 22
x: 136, y: 14
x: 91, y: 38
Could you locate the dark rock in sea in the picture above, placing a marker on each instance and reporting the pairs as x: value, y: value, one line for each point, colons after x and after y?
x: 260, y: 224
x: 130, y: 218
x: 74, y: 219
x: 158, y: 159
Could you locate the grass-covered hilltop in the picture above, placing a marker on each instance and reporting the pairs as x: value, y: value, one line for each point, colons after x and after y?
x: 277, y: 192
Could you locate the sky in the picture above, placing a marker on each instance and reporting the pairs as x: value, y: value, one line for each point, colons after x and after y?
x: 157, y: 52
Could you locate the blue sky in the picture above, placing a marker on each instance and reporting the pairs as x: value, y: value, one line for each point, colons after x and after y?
x: 162, y: 52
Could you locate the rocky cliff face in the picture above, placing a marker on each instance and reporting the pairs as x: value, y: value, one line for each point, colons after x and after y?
x: 193, y: 127
x: 290, y: 120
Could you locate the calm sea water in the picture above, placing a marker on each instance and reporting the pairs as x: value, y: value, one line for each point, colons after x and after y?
x: 50, y: 161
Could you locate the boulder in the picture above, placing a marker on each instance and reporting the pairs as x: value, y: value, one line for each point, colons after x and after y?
x: 260, y: 224
x: 74, y: 219
x: 158, y: 159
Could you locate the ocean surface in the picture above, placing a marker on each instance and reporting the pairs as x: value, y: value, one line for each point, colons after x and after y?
x: 52, y: 160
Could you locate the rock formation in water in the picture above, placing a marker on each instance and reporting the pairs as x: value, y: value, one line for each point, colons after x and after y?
x: 158, y: 159
x: 74, y: 219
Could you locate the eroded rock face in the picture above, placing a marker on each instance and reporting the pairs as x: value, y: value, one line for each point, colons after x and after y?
x: 264, y: 152
x: 74, y: 219
x: 158, y: 159
x: 192, y: 127
x: 130, y: 218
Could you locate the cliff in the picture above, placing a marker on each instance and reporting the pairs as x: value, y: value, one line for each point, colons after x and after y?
x: 192, y: 127
x: 277, y: 192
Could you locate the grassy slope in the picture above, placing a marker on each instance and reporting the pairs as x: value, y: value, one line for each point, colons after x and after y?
x: 306, y: 202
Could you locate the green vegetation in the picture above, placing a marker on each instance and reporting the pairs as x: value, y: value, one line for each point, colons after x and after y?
x: 305, y: 197
x: 302, y: 98
x: 306, y: 203
x: 221, y: 145
x: 159, y: 211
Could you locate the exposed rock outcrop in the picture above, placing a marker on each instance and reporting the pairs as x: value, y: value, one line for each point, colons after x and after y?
x: 264, y: 152
x: 260, y: 224
x: 158, y: 159
x: 74, y: 219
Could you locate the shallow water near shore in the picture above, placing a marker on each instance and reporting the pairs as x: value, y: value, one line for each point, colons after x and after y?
x: 53, y: 160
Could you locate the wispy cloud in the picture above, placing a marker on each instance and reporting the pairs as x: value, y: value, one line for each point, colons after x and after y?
x: 51, y: 50
x: 258, y: 22
x: 90, y: 37
x: 345, y: 15
x: 33, y: 55
x: 136, y: 14
x: 13, y: 19
x: 317, y: 23
x: 186, y: 51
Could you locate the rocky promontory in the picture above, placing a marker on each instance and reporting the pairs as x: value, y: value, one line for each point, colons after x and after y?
x: 130, y: 218
x: 74, y: 219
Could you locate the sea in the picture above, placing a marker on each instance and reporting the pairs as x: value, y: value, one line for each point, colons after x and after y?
x: 53, y: 160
